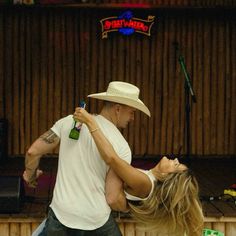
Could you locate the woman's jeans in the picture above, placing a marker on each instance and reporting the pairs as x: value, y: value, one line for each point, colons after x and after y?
x: 54, y: 228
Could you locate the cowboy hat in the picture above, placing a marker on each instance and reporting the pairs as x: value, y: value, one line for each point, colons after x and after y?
x: 123, y: 93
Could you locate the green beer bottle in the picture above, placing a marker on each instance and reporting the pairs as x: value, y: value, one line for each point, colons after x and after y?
x: 75, y: 131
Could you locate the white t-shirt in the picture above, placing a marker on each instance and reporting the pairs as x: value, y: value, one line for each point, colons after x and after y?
x: 79, y: 193
x: 152, y: 179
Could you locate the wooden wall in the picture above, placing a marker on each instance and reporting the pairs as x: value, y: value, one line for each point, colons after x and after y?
x: 125, y: 3
x: 52, y: 57
x: 25, y: 226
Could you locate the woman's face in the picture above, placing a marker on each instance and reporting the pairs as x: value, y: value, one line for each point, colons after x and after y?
x: 168, y: 166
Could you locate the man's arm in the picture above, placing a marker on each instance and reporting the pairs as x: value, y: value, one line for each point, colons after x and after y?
x: 115, y: 195
x: 44, y: 144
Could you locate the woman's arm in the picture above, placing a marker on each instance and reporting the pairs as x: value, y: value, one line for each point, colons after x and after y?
x: 138, y: 183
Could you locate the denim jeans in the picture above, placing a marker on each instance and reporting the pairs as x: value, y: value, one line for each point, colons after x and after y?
x: 54, y: 228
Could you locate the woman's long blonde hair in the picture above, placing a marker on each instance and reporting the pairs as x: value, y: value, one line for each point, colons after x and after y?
x: 174, y: 207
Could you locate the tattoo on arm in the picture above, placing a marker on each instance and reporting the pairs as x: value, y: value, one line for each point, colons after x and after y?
x: 49, y: 137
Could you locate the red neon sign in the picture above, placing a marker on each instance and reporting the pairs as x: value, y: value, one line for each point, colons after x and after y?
x: 126, y: 24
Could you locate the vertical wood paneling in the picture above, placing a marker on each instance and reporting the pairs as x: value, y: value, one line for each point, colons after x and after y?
x: 188, y: 54
x: 219, y: 226
x: 91, y: 62
x: 107, y: 60
x: 2, y: 84
x: 36, y: 76
x: 51, y: 58
x: 145, y: 92
x: 64, y: 67
x: 43, y: 86
x: 228, y: 95
x: 82, y: 81
x: 25, y: 227
x: 4, y: 229
x: 183, y: 100
x: 77, y: 67
x: 28, y: 82
x: 129, y: 229
x: 232, y: 148
x: 177, y: 141
x: 15, y: 88
x: 131, y: 50
x: 181, y: 94
x: 50, y: 37
x: 138, y: 72
x: 130, y: 76
x: 165, y: 94
x: 214, y: 79
x: 230, y: 229
x: 90, y: 82
x: 140, y: 233
x: 22, y: 82
x: 100, y: 59
x: 15, y: 229
x: 207, y: 38
x: 151, y: 100
x: 197, y: 85
x: 58, y: 66
x: 171, y: 88
x: 8, y: 77
x: 152, y: 234
x: 70, y: 75
x: 121, y: 67
x: 221, y: 89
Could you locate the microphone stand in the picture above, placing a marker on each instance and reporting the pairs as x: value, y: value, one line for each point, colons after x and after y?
x: 188, y: 91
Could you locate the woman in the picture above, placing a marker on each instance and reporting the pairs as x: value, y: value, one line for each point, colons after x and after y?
x: 167, y: 195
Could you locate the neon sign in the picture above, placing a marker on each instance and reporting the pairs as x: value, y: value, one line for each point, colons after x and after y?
x: 126, y: 24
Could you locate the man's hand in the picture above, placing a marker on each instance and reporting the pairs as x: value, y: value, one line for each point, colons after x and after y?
x: 32, y: 181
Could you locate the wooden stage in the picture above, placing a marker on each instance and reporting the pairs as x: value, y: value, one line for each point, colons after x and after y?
x: 214, y: 175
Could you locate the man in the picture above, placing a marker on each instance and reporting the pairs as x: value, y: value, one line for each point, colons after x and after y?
x: 85, y: 187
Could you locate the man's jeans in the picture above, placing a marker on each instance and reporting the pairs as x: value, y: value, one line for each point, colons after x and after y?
x: 54, y: 228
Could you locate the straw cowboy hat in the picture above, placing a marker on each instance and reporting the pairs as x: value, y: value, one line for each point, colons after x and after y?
x: 123, y: 93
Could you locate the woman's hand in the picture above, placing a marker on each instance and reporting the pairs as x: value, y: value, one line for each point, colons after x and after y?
x: 82, y: 115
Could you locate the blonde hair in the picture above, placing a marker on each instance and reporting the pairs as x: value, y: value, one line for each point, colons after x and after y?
x: 174, y: 207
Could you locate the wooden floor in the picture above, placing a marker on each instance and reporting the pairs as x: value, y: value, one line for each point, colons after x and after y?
x: 213, y: 174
